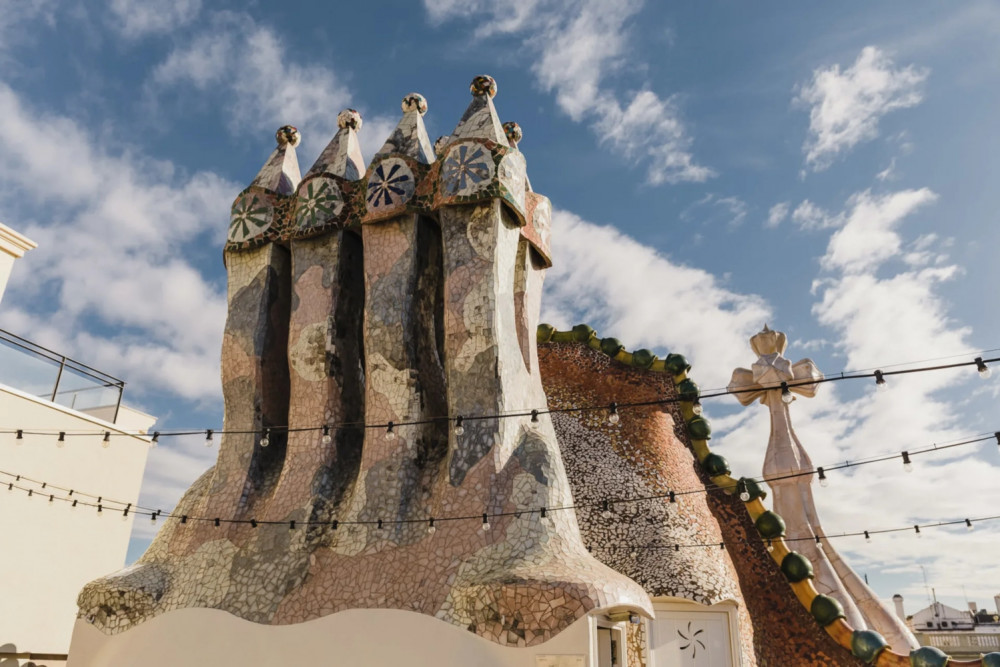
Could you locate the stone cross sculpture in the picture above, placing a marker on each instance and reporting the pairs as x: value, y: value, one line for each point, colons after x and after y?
x: 390, y: 302
x: 788, y: 469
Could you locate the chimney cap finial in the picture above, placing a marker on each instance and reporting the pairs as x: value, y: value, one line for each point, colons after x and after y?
x: 484, y: 84
x: 415, y: 102
x: 288, y: 135
x: 513, y: 132
x: 349, y: 118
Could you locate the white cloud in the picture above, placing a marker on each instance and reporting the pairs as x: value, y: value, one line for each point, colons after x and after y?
x: 777, y: 214
x: 688, y: 311
x: 261, y: 86
x: 878, y: 317
x: 113, y: 230
x: 138, y: 18
x: 845, y: 107
x: 868, y: 235
x: 808, y: 216
x: 711, y: 209
x: 579, y: 45
x: 889, y: 173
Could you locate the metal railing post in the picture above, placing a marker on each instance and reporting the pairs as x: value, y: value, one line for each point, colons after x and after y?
x: 55, y: 390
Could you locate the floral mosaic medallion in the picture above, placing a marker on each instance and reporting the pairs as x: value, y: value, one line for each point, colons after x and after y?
x: 319, y: 201
x: 512, y: 175
x: 251, y: 216
x: 390, y: 185
x: 467, y: 169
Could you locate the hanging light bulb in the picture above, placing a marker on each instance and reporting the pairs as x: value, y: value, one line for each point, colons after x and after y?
x: 606, y: 509
x: 19, y: 436
x: 100, y: 510
x: 326, y: 435
x: 722, y: 546
x: 431, y: 529
x: 73, y: 506
x: 696, y: 407
x: 672, y: 496
x: 390, y: 434
x: 613, y: 417
x: 378, y: 524
x: 880, y: 382
x: 534, y: 416
x: 459, y: 429
x: 125, y: 514
x: 218, y: 522
x: 107, y: 440
x: 770, y: 545
x: 968, y: 525
x: 253, y: 523
x: 786, y: 394
x: 823, y: 481
x: 156, y: 439
x: 744, y: 493
x: 542, y: 513
x: 265, y: 438
x: 907, y: 465
x: 208, y: 437
x: 51, y: 498
x: 868, y: 538
x: 152, y: 517
x: 29, y: 494
x: 61, y: 440
x: 486, y: 522
x: 916, y: 529
x: 984, y: 370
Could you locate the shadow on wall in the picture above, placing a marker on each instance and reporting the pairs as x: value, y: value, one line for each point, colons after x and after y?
x: 8, y: 650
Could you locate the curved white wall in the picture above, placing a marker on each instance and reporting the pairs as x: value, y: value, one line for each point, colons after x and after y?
x: 353, y: 638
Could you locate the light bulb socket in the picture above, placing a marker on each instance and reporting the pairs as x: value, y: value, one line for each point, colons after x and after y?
x: 823, y: 481
x: 968, y: 524
x: 880, y: 380
x: 613, y: 417
x: 868, y: 538
x: 786, y: 394
x: 984, y: 370
x: 534, y: 416
x: 459, y: 429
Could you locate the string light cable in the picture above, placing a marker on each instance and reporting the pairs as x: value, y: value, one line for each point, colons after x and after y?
x: 483, y: 517
x: 913, y: 528
x: 612, y: 409
x: 605, y: 505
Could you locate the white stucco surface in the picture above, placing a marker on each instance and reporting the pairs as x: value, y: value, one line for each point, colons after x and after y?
x: 357, y: 637
x: 13, y: 245
x: 50, y: 550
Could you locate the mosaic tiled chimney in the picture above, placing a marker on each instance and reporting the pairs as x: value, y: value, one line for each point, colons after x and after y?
x: 397, y: 293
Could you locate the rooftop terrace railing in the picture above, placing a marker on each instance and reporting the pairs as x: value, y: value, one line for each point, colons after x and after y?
x: 46, y: 374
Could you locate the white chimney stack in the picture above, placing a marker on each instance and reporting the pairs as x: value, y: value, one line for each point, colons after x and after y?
x: 12, y: 247
x: 897, y: 600
x: 996, y: 601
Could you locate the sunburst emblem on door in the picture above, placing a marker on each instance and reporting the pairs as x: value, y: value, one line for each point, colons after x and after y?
x: 692, y: 640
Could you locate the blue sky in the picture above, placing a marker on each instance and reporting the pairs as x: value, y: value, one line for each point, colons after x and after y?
x: 826, y: 168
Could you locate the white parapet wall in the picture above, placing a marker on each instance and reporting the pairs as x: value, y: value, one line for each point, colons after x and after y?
x: 368, y: 637
x: 13, y: 245
x: 50, y: 550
